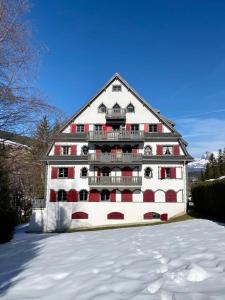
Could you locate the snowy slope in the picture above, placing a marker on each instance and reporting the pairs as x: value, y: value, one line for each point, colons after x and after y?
x: 200, y: 163
x: 179, y: 261
x: 13, y: 144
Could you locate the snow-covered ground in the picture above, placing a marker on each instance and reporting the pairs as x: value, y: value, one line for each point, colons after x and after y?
x: 177, y: 261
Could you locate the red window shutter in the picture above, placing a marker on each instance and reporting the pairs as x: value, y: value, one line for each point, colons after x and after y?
x: 176, y: 150
x: 146, y: 127
x: 113, y: 150
x: 86, y: 128
x: 148, y: 196
x: 73, y: 128
x: 160, y: 127
x: 54, y: 173
x: 159, y: 150
x: 164, y: 217
x: 94, y: 196
x: 127, y: 196
x: 134, y: 150
x: 52, y: 196
x: 128, y: 127
x: 171, y: 196
x: 71, y: 172
x: 73, y: 150
x: 127, y: 171
x: 173, y: 172
x: 104, y: 128
x: 163, y: 173
x: 98, y: 172
x: 113, y: 196
x: 57, y: 150
x: 72, y: 196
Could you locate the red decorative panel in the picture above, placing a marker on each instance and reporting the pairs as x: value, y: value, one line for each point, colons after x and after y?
x: 127, y: 171
x: 115, y: 216
x: 176, y: 150
x: 146, y: 127
x: 160, y: 127
x: 79, y: 215
x: 113, y: 196
x: 73, y: 150
x: 94, y: 196
x: 52, y: 196
x: 71, y: 172
x: 54, y: 173
x: 128, y: 127
x: 73, y: 128
x: 163, y: 173
x: 173, y: 172
x: 159, y: 150
x: 126, y: 196
x: 72, y: 196
x: 86, y: 128
x: 164, y: 217
x: 57, y: 149
x: 171, y: 196
x: 148, y: 196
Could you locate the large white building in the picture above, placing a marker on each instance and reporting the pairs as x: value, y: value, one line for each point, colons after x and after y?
x: 116, y: 161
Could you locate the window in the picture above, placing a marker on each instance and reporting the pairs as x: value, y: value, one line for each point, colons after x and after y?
x: 105, y: 171
x: 84, y: 172
x: 167, y: 150
x: 80, y: 128
x: 65, y: 150
x: 61, y: 195
x: 85, y: 150
x: 98, y: 127
x: 130, y: 108
x: 134, y: 127
x: 83, y: 195
x: 63, y: 173
x: 105, y: 195
x: 102, y: 108
x: 116, y: 108
x: 152, y: 127
x: 148, y: 172
x: 167, y: 172
x: 106, y: 149
x: 148, y: 150
x: 116, y: 88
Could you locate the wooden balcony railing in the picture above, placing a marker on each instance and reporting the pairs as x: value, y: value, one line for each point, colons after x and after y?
x: 116, y: 135
x: 115, y: 157
x: 115, y: 181
x: 115, y: 113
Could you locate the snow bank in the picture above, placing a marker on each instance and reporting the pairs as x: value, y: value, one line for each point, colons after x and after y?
x: 179, y: 261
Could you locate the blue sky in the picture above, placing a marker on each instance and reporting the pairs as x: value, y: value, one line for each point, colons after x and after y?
x: 171, y: 52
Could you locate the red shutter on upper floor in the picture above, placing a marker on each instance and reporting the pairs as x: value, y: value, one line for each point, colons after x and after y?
x: 126, y: 196
x: 163, y: 173
x: 72, y: 196
x: 173, y: 172
x: 57, y: 149
x: 54, y: 173
x: 128, y: 127
x: 159, y: 150
x: 73, y: 128
x: 73, y: 150
x: 113, y: 196
x: 127, y: 171
x: 52, y: 196
x: 146, y: 127
x: 71, y: 172
x: 94, y: 196
x: 176, y: 150
x: 160, y: 127
x: 86, y: 128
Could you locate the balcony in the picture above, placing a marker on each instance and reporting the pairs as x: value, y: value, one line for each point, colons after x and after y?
x: 115, y: 181
x: 126, y: 158
x: 115, y: 114
x: 120, y: 135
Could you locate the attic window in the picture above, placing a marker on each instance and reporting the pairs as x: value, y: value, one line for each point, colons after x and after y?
x: 130, y: 108
x: 116, y: 106
x: 116, y: 88
x: 102, y: 108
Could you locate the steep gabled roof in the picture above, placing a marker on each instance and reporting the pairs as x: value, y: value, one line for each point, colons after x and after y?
x: 156, y: 112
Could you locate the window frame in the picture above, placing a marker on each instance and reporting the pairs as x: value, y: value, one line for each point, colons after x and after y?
x: 82, y: 150
x: 150, y: 173
x: 116, y: 88
x: 63, y: 172
x: 64, y: 194
x: 107, y: 193
x: 81, y: 192
x: 150, y: 153
x: 63, y: 147
x: 135, y: 125
x: 79, y: 126
x: 96, y: 127
x: 81, y: 175
x: 131, y: 105
x: 166, y: 172
x: 155, y: 128
x: 99, y: 108
x: 171, y: 150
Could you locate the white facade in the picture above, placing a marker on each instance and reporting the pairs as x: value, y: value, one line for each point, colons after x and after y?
x: 135, y: 162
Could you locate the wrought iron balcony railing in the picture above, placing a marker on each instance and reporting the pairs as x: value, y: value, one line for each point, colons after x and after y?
x: 115, y: 113
x: 115, y: 158
x: 115, y: 181
x: 116, y: 135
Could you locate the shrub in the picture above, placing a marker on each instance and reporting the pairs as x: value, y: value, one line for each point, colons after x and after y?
x: 7, y: 224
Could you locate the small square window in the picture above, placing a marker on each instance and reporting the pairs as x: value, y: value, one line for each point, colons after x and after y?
x: 152, y: 127
x: 116, y: 88
x: 80, y: 128
x: 63, y: 172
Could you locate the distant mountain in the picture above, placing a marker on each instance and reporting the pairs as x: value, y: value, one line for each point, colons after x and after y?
x: 13, y: 139
x: 200, y: 163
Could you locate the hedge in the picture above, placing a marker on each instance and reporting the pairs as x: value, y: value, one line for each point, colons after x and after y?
x: 209, y: 198
x: 7, y: 224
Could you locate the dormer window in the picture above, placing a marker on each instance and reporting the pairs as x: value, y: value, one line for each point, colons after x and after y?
x: 116, y: 106
x: 116, y: 88
x: 102, y: 108
x: 130, y: 108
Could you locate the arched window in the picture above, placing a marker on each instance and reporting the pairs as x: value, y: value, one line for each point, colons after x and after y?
x: 171, y: 196
x: 84, y: 172
x: 105, y: 171
x: 61, y: 195
x: 102, y: 108
x: 148, y: 150
x: 148, y: 173
x: 85, y: 150
x: 148, y: 196
x: 130, y: 108
x: 105, y: 195
x: 83, y: 195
